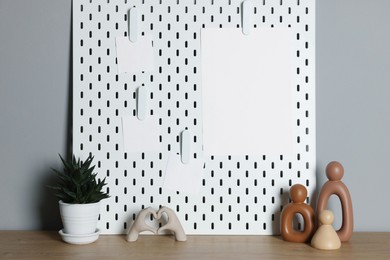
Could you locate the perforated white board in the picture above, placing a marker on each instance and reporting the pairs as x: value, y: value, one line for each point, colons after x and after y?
x: 239, y: 194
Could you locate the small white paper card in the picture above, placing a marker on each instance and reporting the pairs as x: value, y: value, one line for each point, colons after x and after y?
x: 135, y: 56
x: 141, y: 136
x: 186, y: 178
x: 247, y: 88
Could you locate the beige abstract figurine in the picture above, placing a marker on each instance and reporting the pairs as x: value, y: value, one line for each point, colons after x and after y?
x: 139, y: 224
x: 298, y: 195
x: 334, y: 186
x: 326, y: 237
x: 173, y: 224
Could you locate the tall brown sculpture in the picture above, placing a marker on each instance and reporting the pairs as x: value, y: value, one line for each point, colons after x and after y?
x: 334, y: 186
x: 298, y: 194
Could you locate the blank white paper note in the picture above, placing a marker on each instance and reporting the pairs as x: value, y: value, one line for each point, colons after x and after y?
x: 136, y: 56
x: 247, y: 88
x: 186, y: 178
x: 141, y: 136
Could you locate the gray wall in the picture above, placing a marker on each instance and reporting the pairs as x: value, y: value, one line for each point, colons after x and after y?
x: 353, y: 103
x: 34, y: 92
x: 353, y: 108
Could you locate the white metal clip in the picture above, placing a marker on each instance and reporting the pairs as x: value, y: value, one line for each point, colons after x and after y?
x: 185, y: 148
x: 247, y: 16
x: 142, y: 104
x: 133, y: 24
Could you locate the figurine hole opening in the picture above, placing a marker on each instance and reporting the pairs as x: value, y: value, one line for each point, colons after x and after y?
x: 334, y: 205
x: 298, y: 222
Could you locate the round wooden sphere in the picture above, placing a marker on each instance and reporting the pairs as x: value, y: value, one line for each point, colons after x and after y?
x: 298, y: 193
x: 334, y: 171
x: 326, y: 217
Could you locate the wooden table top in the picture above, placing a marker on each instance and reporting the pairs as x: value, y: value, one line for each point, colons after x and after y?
x: 48, y: 245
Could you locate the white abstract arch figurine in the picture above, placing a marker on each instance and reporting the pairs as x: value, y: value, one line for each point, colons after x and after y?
x: 140, y: 225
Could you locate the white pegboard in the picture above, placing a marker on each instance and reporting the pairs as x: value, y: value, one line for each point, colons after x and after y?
x: 239, y: 194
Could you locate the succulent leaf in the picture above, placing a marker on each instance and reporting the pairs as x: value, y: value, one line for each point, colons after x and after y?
x: 77, y: 183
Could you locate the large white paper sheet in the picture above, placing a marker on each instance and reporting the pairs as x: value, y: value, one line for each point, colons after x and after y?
x: 247, y: 85
x: 185, y: 178
x: 136, y: 56
x: 141, y: 136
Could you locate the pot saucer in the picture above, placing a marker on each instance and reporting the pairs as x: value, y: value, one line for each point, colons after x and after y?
x: 79, y: 239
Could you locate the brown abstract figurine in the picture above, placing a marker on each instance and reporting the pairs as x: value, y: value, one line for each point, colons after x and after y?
x: 335, y: 172
x: 298, y: 194
x: 326, y: 237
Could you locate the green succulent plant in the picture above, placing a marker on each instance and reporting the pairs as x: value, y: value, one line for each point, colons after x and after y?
x: 77, y: 184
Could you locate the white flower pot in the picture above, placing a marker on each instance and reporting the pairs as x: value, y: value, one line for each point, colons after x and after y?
x: 79, y: 219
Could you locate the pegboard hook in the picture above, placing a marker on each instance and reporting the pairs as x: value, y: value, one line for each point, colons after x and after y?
x: 142, y: 103
x: 246, y: 16
x: 185, y: 148
x: 133, y: 24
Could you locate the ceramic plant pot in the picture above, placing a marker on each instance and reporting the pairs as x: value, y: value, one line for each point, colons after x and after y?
x: 79, y: 219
